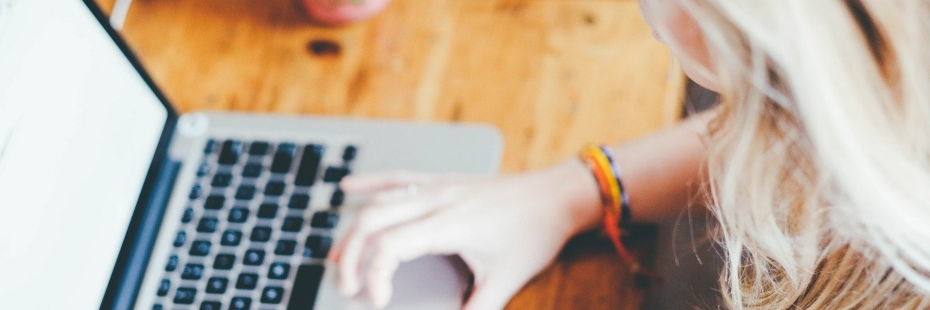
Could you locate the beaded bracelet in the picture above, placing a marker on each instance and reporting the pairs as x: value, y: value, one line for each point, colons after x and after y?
x: 614, y: 199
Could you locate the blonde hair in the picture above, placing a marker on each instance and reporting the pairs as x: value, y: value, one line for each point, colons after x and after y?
x: 820, y: 159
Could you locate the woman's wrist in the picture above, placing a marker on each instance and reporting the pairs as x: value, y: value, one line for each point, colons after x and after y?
x: 578, y: 192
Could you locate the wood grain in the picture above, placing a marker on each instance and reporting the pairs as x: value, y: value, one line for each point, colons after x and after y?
x: 552, y: 75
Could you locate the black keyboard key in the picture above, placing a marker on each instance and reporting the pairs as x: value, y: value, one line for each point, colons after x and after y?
x: 272, y: 295
x: 306, y: 285
x: 283, y: 158
x: 221, y: 180
x: 252, y: 170
x: 241, y: 303
x: 230, y: 152
x: 260, y: 234
x: 324, y: 220
x: 335, y: 174
x: 338, y: 198
x: 217, y: 285
x: 317, y: 246
x: 207, y: 225
x: 158, y: 307
x: 172, y: 264
x: 274, y: 188
x: 209, y: 147
x: 267, y: 211
x: 195, y: 192
x: 211, y: 305
x: 179, y: 239
x: 238, y: 215
x: 309, y: 165
x: 185, y: 295
x: 349, y: 153
x: 258, y: 148
x: 247, y: 281
x: 203, y: 169
x: 192, y: 272
x: 224, y: 261
x: 245, y: 192
x: 200, y: 248
x: 279, y: 271
x: 299, y: 201
x: 231, y: 237
x: 164, y: 287
x: 285, y: 247
x: 253, y: 257
x: 292, y: 224
x: 214, y: 202
x: 188, y: 215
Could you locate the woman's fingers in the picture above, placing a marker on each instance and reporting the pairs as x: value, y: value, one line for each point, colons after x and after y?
x: 403, y: 243
x: 370, y: 220
x: 382, y: 198
x: 370, y: 183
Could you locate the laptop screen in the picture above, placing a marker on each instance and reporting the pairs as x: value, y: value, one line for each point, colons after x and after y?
x: 78, y: 132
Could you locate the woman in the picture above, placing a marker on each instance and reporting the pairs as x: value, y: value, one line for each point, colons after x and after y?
x: 816, y: 165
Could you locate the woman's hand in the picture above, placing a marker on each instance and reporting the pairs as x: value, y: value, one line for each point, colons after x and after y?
x: 506, y: 229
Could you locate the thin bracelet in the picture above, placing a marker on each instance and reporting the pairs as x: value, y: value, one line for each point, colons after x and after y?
x: 615, y: 202
x: 610, y: 197
x: 599, y: 179
x: 626, y: 213
x: 609, y: 178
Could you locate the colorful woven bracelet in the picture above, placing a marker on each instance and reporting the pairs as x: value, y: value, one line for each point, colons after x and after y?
x: 611, y: 192
x: 616, y: 205
x: 625, y: 213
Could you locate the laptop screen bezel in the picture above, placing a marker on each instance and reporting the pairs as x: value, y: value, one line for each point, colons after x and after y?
x: 115, y: 283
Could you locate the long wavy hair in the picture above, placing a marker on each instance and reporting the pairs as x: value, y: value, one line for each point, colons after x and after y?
x: 820, y: 158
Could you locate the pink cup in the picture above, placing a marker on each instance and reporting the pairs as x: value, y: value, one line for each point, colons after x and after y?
x: 341, y: 12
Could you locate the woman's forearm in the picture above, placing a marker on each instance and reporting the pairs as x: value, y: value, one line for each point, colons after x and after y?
x: 662, y: 174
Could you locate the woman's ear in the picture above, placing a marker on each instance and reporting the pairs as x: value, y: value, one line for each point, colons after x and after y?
x: 672, y: 25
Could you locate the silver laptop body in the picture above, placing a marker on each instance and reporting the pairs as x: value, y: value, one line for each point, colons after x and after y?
x: 224, y: 195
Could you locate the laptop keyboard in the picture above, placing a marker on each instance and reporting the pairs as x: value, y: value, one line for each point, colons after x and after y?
x: 248, y: 238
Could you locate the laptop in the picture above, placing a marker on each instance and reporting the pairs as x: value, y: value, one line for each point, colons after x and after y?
x: 109, y: 199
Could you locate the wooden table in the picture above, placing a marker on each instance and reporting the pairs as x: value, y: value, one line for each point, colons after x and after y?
x: 552, y: 75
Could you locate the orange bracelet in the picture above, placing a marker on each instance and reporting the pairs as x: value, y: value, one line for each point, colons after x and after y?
x: 606, y: 200
x: 603, y: 172
x: 610, y: 199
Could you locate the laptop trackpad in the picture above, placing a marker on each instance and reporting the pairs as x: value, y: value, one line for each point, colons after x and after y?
x: 431, y: 282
